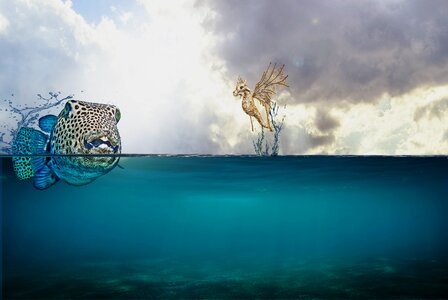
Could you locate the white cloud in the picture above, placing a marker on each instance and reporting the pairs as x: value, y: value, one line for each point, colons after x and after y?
x: 4, y: 23
x: 125, y: 17
x: 161, y: 73
x: 386, y: 128
x: 390, y: 128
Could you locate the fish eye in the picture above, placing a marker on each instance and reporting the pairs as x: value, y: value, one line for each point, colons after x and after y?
x: 241, y: 87
x: 117, y: 115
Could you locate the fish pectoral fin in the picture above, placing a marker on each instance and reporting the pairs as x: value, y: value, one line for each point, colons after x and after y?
x: 44, y: 178
x: 46, y: 123
x: 37, y: 162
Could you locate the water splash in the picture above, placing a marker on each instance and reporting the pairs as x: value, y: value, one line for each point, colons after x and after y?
x: 262, y: 146
x: 24, y: 116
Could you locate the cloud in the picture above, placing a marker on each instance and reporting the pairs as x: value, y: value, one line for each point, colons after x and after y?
x: 300, y: 139
x: 369, y: 129
x: 366, y: 78
x: 310, y: 133
x: 43, y: 48
x: 336, y: 51
x: 4, y: 23
x: 159, y: 69
x: 324, y: 121
x: 445, y: 136
x: 437, y: 109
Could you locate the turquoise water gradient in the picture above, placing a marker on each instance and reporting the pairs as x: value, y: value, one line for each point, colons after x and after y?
x: 232, y: 227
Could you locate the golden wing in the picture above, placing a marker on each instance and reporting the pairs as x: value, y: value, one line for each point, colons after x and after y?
x: 265, y: 88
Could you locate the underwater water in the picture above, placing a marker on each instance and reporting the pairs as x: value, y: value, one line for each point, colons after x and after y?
x: 232, y: 227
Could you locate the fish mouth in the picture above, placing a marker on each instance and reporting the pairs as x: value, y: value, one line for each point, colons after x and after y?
x: 101, y: 143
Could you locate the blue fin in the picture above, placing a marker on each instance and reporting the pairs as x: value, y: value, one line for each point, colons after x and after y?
x: 38, y: 162
x: 28, y: 141
x: 44, y: 178
x: 46, y: 123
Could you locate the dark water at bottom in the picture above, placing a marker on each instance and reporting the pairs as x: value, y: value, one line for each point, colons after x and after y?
x: 232, y: 227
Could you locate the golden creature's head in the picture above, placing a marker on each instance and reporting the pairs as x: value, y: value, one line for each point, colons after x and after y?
x: 241, y: 88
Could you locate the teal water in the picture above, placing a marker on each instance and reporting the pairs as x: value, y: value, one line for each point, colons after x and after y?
x: 232, y: 227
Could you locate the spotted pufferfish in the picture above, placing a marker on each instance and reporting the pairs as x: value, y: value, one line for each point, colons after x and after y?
x: 83, y: 143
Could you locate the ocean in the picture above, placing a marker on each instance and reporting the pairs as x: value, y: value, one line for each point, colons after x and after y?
x: 302, y: 227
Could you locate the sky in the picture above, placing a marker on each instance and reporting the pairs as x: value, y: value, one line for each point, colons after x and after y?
x: 365, y: 77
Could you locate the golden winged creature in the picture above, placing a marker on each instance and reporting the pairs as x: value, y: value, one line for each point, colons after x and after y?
x: 263, y: 92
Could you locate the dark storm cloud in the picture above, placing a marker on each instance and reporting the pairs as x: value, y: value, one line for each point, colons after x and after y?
x: 301, y: 140
x: 336, y: 50
x: 324, y: 121
x: 320, y: 140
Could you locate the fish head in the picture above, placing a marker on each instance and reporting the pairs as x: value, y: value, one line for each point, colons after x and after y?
x: 90, y: 130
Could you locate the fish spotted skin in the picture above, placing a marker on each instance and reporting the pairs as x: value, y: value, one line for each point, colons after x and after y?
x: 82, y: 129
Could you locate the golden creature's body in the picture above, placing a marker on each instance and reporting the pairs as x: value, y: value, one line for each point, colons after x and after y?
x: 251, y: 109
x: 263, y: 92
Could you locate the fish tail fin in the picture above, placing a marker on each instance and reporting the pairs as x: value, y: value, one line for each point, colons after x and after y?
x: 28, y: 141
